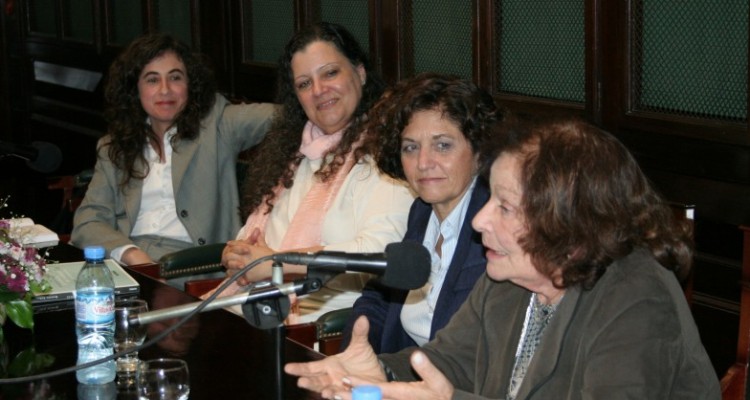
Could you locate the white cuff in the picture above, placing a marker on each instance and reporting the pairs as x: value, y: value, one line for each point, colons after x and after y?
x: 117, y: 252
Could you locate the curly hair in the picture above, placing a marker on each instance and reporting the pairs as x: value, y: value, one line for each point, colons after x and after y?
x: 472, y: 109
x: 127, y: 120
x: 586, y: 202
x: 278, y: 154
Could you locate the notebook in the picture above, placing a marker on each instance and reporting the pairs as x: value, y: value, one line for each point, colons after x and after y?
x: 62, y: 278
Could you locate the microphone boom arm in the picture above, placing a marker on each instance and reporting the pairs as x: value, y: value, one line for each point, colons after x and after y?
x: 300, y: 286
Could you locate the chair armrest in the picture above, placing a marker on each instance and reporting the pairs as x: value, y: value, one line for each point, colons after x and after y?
x: 199, y: 287
x: 195, y: 260
x: 327, y: 331
x: 304, y: 334
x: 330, y: 330
x: 152, y: 269
x: 333, y: 322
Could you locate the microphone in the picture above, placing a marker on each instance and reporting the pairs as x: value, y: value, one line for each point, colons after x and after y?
x: 403, y: 265
x: 40, y: 156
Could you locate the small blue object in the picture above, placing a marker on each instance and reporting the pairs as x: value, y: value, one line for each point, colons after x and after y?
x: 93, y: 252
x: 366, y: 392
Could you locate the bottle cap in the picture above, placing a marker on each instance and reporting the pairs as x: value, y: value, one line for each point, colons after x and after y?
x: 366, y: 392
x: 93, y: 252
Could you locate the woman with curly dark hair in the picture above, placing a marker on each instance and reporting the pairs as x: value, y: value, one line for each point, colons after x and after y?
x: 314, y: 184
x: 430, y: 130
x: 581, y: 299
x: 165, y: 177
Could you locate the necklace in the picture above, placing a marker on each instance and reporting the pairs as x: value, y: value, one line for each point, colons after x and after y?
x: 537, y: 318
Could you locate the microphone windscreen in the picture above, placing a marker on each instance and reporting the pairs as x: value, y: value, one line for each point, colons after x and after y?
x: 48, y: 157
x: 408, y: 265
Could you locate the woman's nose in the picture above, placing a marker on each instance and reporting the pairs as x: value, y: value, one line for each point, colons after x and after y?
x: 317, y: 87
x: 424, y: 159
x: 478, y: 223
x: 164, y: 87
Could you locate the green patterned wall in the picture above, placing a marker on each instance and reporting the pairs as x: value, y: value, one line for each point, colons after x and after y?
x: 352, y: 14
x: 271, y: 26
x: 691, y: 58
x: 441, y: 36
x: 541, y: 48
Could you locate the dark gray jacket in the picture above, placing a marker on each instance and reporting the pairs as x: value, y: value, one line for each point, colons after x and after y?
x: 630, y: 337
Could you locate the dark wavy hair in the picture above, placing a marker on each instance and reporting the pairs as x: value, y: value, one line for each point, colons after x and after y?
x: 124, y: 113
x: 586, y: 202
x: 277, y: 155
x: 472, y: 109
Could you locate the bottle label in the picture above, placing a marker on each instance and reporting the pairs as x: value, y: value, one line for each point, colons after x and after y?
x: 95, y: 307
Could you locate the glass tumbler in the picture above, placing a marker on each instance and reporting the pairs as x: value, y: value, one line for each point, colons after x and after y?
x: 162, y: 379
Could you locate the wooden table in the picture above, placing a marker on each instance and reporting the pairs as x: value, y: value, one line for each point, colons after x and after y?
x: 226, y: 356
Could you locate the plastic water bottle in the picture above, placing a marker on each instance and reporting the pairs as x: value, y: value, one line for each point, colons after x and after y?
x: 366, y: 392
x: 95, y: 317
x: 105, y: 391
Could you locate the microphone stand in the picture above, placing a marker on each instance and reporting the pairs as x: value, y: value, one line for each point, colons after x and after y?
x: 279, y: 334
x: 269, y: 315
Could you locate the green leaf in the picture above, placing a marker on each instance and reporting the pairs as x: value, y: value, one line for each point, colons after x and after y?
x: 8, y: 296
x: 29, y: 362
x: 22, y: 364
x: 44, y: 360
x: 39, y: 287
x: 21, y: 312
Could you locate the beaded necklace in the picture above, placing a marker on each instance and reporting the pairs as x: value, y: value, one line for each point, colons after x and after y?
x: 538, y: 316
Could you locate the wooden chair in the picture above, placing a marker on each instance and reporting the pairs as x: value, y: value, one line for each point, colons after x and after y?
x: 734, y: 383
x: 684, y: 211
x: 195, y: 263
x: 73, y: 189
x: 323, y: 335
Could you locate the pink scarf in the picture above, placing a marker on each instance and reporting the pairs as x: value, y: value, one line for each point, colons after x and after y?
x: 305, y: 228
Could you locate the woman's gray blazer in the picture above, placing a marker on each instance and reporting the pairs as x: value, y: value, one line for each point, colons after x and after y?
x: 204, y: 178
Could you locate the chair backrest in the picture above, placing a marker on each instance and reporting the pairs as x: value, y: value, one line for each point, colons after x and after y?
x: 73, y: 189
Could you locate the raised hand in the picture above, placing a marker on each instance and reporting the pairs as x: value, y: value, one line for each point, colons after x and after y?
x: 327, y: 376
x: 433, y: 386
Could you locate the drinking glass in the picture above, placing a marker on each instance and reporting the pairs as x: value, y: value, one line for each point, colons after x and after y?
x: 128, y: 336
x: 163, y: 379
